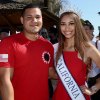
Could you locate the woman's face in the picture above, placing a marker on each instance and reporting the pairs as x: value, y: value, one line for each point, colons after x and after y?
x: 67, y: 26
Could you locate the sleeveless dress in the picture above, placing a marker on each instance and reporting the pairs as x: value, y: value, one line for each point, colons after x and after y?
x: 78, y: 70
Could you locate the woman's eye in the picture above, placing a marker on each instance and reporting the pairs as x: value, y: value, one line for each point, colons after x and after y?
x: 71, y: 23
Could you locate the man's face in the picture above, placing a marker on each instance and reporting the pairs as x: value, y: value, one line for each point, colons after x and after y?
x: 32, y: 20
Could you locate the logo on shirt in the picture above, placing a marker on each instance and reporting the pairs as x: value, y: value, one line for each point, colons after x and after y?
x: 46, y: 57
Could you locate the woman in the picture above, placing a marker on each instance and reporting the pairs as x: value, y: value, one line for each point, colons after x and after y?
x: 77, y: 51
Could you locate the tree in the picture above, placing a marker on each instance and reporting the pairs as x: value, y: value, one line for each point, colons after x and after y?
x: 29, y: 1
x: 56, y: 5
x: 23, y: 1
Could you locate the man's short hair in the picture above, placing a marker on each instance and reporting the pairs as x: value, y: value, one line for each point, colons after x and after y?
x: 31, y: 5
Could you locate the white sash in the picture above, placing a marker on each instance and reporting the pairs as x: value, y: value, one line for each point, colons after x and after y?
x: 68, y: 81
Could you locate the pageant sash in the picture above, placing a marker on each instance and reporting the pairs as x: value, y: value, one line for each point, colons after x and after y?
x: 68, y: 81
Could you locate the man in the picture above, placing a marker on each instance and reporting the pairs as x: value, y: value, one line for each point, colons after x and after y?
x: 25, y: 60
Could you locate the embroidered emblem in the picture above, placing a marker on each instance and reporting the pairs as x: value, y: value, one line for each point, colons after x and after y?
x: 46, y: 57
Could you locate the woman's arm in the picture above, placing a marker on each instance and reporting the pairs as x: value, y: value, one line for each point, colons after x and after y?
x: 92, y: 90
x: 91, y: 51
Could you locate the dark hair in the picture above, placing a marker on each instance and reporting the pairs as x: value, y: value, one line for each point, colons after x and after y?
x: 88, y: 23
x: 31, y: 5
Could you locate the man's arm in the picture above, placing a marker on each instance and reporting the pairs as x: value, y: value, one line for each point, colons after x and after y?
x: 52, y: 73
x: 6, y: 88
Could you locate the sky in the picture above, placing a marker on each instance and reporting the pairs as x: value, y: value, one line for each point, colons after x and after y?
x: 88, y: 10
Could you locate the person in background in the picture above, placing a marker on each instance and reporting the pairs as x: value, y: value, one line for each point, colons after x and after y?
x: 89, y: 29
x: 26, y: 60
x: 44, y: 33
x: 3, y: 34
x: 94, y: 72
x: 73, y: 52
x: 53, y: 34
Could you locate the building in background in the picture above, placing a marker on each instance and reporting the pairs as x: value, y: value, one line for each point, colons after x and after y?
x: 10, y: 12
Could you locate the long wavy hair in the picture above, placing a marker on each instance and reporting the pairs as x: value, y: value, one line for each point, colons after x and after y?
x: 80, y: 35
